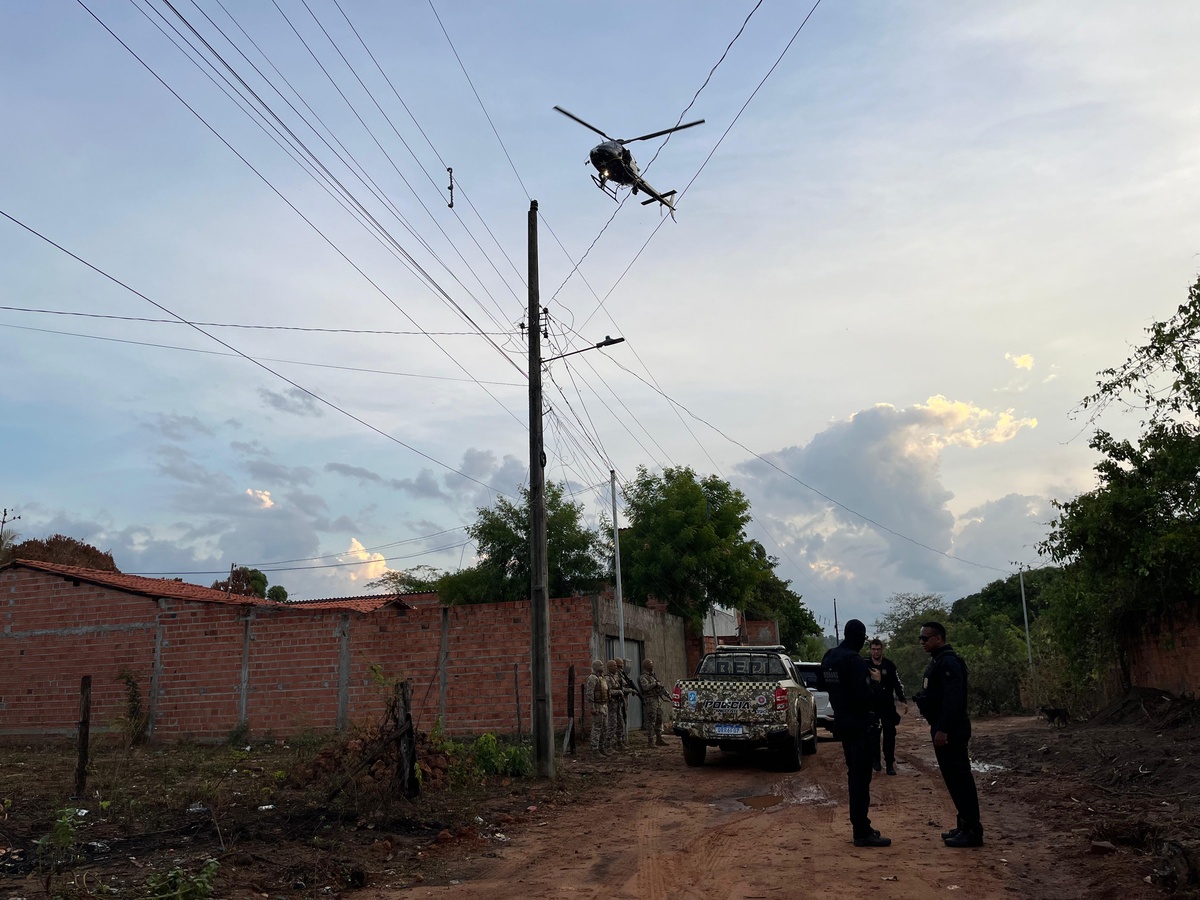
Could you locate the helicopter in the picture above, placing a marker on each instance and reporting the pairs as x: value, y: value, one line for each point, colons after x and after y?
x: 615, y: 163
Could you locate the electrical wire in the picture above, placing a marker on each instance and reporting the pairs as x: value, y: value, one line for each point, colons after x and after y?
x: 89, y: 315
x: 293, y: 362
x: 262, y: 366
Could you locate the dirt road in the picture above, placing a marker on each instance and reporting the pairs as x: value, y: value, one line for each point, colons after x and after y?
x: 649, y: 827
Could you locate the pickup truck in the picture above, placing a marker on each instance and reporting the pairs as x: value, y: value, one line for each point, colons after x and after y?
x: 743, y: 697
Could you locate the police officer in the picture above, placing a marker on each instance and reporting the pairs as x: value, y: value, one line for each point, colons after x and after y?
x: 943, y: 702
x: 893, y: 690
x: 854, y: 694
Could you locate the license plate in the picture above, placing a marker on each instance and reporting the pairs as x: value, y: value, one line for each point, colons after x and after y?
x: 729, y: 729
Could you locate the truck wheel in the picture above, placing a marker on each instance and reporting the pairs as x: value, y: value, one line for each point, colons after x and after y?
x: 693, y: 752
x: 789, y: 753
x: 810, y: 741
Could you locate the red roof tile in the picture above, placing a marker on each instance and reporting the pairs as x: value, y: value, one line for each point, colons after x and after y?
x: 138, y: 584
x: 365, y: 604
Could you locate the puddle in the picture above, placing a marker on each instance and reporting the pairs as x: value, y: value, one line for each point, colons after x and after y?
x: 760, y: 802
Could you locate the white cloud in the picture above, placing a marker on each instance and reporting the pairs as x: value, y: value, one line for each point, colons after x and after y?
x: 1024, y: 361
x: 263, y: 498
x: 375, y: 564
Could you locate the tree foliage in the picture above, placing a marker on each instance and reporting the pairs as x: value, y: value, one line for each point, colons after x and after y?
x: 66, y: 551
x: 686, y: 543
x: 245, y: 582
x: 573, y: 554
x: 417, y: 580
x: 1163, y: 375
x: 900, y: 626
x: 772, y: 599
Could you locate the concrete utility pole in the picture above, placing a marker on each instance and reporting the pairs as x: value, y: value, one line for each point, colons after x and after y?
x: 543, y: 718
x: 1025, y: 610
x: 4, y: 520
x: 612, y: 478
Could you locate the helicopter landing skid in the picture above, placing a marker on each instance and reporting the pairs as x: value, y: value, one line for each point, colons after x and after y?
x: 604, y: 186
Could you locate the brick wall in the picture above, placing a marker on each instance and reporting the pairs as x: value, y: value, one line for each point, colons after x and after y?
x: 1167, y: 656
x: 206, y: 667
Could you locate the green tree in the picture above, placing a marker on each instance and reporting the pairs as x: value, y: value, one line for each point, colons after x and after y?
x: 1132, y: 545
x: 772, y: 599
x: 501, y: 534
x: 1130, y: 548
x: 277, y: 593
x: 66, y: 551
x: 686, y: 543
x: 902, y: 625
x: 1163, y: 375
x: 417, y: 580
x: 245, y: 582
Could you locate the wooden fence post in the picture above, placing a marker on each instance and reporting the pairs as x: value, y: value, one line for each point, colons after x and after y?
x: 85, y: 728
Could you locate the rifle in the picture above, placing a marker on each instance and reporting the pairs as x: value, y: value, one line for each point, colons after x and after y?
x: 629, y: 681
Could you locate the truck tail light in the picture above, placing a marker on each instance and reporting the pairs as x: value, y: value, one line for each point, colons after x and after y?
x: 676, y: 697
x: 781, y: 698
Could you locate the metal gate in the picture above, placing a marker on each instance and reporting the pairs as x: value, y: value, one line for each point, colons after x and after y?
x: 633, y: 668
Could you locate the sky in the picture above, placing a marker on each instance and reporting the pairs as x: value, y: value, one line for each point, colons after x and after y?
x: 909, y: 236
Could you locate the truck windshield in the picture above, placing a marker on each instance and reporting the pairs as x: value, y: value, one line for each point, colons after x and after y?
x: 744, y: 664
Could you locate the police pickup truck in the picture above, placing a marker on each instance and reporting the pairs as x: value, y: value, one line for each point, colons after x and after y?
x: 743, y: 697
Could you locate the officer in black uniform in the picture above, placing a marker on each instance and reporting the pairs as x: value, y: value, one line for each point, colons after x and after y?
x: 893, y: 690
x: 943, y: 702
x: 854, y: 695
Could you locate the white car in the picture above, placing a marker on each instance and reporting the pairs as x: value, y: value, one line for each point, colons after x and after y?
x: 810, y: 675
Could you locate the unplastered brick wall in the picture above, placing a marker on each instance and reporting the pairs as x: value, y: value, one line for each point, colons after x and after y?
x: 207, y: 668
x: 49, y: 641
x: 1167, y: 656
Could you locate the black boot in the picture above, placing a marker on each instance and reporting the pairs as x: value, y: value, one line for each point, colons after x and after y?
x: 891, y: 767
x: 874, y: 839
x: 966, y: 838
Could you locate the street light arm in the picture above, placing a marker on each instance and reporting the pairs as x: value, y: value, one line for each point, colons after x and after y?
x: 607, y: 342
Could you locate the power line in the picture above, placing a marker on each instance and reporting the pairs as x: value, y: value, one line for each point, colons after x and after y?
x: 428, y: 279
x: 89, y: 315
x: 787, y: 474
x: 262, y: 366
x: 292, y: 362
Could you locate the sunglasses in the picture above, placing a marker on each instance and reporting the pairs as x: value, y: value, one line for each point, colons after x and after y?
x: 926, y: 637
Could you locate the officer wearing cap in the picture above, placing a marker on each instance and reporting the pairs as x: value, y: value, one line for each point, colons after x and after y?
x: 854, y: 694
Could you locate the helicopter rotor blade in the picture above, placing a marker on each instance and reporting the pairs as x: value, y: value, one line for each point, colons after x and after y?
x: 646, y: 137
x: 570, y: 115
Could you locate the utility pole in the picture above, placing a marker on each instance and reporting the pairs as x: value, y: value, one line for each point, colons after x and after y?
x: 1025, y: 610
x: 4, y: 520
x: 836, y: 634
x: 543, y: 720
x: 612, y: 477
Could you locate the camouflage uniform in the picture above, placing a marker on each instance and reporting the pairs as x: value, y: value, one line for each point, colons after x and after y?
x: 653, y: 693
x: 614, y: 734
x: 596, y: 692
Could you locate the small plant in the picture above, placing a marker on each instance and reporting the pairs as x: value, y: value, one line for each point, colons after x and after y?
x: 239, y: 735
x: 56, y: 851
x: 518, y: 762
x: 176, y: 884
x: 489, y: 756
x: 137, y: 718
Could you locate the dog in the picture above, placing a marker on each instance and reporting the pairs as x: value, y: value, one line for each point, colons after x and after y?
x: 1055, y: 715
